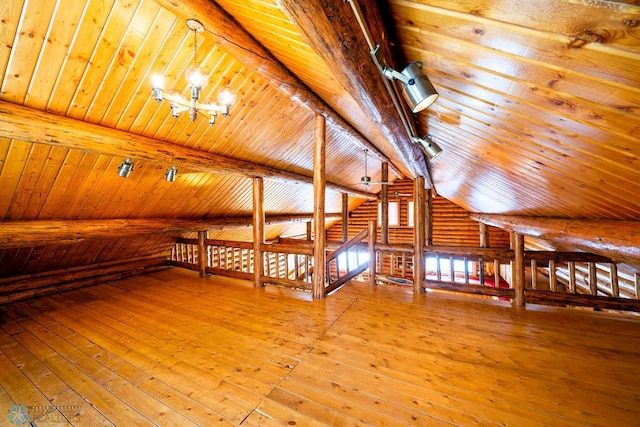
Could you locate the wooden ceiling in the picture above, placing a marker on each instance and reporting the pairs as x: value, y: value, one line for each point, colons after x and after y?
x: 538, y: 112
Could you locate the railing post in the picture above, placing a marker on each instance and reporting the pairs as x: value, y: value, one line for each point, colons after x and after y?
x: 419, y: 219
x: 258, y: 230
x: 373, y: 228
x: 202, y: 253
x: 384, y: 204
x: 519, y: 270
x: 318, y: 287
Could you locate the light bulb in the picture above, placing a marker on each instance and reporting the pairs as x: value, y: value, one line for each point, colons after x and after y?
x: 226, y: 96
x: 157, y: 81
x: 196, y: 77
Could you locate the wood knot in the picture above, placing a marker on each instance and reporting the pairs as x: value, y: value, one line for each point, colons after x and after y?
x: 583, y: 38
x: 631, y: 23
x: 478, y: 31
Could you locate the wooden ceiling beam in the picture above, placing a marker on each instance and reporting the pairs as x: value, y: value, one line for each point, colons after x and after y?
x: 619, y: 240
x: 19, y: 234
x: 333, y: 32
x: 27, y: 124
x: 233, y: 38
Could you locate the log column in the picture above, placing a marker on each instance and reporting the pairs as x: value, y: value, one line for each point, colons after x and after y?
x: 429, y: 219
x: 384, y: 217
x: 484, y: 243
x: 373, y: 229
x: 345, y: 217
x: 203, y: 260
x: 258, y: 230
x: 419, y: 219
x: 319, y: 256
x: 518, y: 278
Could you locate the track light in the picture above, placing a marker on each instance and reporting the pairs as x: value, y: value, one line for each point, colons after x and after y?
x: 171, y: 174
x: 418, y: 90
x: 427, y: 145
x: 124, y: 170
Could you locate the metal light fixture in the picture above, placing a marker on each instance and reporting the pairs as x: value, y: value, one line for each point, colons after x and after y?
x: 197, y: 80
x: 124, y: 170
x: 418, y: 90
x: 427, y: 145
x: 171, y: 174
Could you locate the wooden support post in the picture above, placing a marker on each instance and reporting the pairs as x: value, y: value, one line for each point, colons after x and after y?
x: 345, y: 217
x: 258, y: 231
x: 613, y: 274
x: 484, y: 243
x: 319, y: 255
x: 202, y: 253
x: 419, y: 219
x: 384, y: 203
x: 428, y: 228
x: 593, y: 278
x: 373, y: 228
x: 534, y: 274
x: 519, y: 270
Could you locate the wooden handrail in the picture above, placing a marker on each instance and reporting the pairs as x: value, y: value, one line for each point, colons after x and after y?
x: 355, y: 239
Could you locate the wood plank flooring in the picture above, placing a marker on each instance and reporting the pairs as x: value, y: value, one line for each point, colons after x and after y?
x: 172, y: 349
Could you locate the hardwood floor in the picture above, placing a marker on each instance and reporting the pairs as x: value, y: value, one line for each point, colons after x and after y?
x: 173, y: 349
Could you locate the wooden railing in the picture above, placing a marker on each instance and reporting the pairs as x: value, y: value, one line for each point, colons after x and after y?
x: 346, y: 263
x: 288, y: 264
x: 556, y: 278
x: 283, y: 263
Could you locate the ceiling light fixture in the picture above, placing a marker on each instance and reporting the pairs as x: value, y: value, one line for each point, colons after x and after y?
x: 427, y: 145
x: 197, y: 80
x: 171, y: 174
x: 124, y: 170
x: 418, y: 90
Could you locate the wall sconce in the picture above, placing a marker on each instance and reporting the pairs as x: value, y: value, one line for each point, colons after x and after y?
x: 197, y: 80
x: 171, y: 174
x: 427, y: 145
x: 124, y: 170
x: 417, y: 88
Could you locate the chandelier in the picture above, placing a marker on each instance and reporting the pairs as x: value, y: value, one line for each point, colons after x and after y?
x: 197, y: 80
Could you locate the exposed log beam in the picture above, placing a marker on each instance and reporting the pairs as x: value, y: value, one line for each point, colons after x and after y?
x: 233, y: 38
x: 333, y: 32
x: 17, y: 234
x: 27, y: 124
x: 619, y: 240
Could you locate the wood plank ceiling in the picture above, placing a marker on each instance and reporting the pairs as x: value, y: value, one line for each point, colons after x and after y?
x: 538, y: 113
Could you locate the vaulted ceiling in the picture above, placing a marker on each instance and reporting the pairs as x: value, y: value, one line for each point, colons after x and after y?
x: 538, y: 112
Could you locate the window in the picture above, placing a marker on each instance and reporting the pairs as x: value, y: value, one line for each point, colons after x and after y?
x: 410, y: 213
x: 394, y: 217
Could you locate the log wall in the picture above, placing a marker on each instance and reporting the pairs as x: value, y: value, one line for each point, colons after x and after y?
x: 451, y: 223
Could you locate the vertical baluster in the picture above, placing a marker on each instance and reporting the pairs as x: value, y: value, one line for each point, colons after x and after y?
x: 466, y: 271
x: 553, y: 280
x: 438, y: 270
x: 534, y: 274
x: 637, y: 280
x: 452, y: 273
x: 613, y: 274
x: 496, y: 273
x: 593, y: 278
x: 572, y: 277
